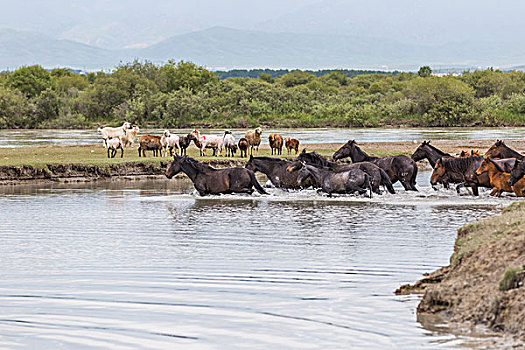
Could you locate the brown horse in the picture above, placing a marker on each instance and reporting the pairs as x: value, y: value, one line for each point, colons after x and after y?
x: 498, y: 178
x: 208, y: 180
x: 399, y: 167
x: 501, y: 150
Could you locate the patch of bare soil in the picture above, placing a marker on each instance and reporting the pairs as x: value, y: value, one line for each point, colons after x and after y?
x: 484, y: 284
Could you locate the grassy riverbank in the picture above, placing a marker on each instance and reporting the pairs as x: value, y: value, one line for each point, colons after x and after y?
x: 39, y: 156
x: 484, y: 283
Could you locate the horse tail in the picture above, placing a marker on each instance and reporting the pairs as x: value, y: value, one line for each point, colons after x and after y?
x: 256, y: 184
x: 368, y: 184
x: 385, y: 179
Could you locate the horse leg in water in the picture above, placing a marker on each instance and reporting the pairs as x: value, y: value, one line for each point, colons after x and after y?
x: 352, y: 187
x: 459, y: 187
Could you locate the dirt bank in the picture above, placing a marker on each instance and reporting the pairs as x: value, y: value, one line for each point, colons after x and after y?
x: 83, y: 173
x: 484, y: 283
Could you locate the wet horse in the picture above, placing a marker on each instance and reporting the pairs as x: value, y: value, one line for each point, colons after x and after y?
x: 398, y: 167
x: 377, y: 175
x: 428, y: 152
x: 501, y: 150
x: 432, y: 154
x: 499, y: 180
x: 350, y: 181
x: 275, y: 170
x: 517, y: 177
x: 208, y: 180
x: 462, y: 171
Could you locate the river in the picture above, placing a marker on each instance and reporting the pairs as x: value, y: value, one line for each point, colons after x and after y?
x: 18, y: 138
x: 148, y: 264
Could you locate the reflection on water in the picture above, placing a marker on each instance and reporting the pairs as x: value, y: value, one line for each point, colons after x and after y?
x: 17, y: 138
x: 148, y: 265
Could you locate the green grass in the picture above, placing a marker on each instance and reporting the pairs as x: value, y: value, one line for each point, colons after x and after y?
x: 39, y: 156
x: 486, y: 231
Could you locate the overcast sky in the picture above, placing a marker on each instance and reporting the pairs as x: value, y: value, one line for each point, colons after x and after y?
x: 115, y: 24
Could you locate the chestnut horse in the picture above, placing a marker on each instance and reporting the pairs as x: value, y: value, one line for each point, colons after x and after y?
x: 499, y: 180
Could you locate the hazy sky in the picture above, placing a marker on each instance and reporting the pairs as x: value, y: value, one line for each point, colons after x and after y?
x: 475, y: 29
x: 121, y: 23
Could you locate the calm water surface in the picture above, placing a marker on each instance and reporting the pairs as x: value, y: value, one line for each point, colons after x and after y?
x: 150, y: 265
x: 16, y: 138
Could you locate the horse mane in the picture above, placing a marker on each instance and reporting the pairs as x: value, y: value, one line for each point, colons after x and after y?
x: 270, y: 159
x: 500, y: 169
x: 440, y: 152
x: 502, y: 144
x: 363, y: 153
x: 316, y: 158
x: 459, y: 165
x: 198, y: 165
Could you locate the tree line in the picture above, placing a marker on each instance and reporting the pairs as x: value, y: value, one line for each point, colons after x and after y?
x: 182, y: 94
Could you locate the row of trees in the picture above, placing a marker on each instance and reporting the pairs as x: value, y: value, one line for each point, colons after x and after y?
x: 181, y: 94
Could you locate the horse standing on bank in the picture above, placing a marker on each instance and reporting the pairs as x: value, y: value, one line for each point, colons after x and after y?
x: 399, y: 168
x: 208, y: 180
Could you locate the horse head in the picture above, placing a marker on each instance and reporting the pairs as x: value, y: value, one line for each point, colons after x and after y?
x: 421, y: 151
x: 250, y: 164
x: 438, y: 173
x: 303, y: 172
x: 495, y: 150
x: 484, y: 166
x: 174, y: 167
x: 344, y: 151
x: 516, y: 173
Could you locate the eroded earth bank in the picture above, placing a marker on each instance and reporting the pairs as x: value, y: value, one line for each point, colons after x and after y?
x: 484, y: 283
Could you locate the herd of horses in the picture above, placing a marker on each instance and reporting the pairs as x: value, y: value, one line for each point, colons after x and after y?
x: 500, y: 168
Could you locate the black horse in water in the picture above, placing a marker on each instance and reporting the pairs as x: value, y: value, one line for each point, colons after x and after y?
x: 517, y: 173
x: 208, y: 180
x: 377, y: 175
x: 330, y: 181
x: 399, y: 167
x: 275, y: 170
x: 429, y: 152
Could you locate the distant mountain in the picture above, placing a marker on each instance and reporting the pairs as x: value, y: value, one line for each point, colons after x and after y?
x: 19, y: 48
x: 231, y: 48
x: 409, y: 21
x: 226, y: 48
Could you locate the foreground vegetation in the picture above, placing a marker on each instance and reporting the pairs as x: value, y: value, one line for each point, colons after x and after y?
x: 184, y: 95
